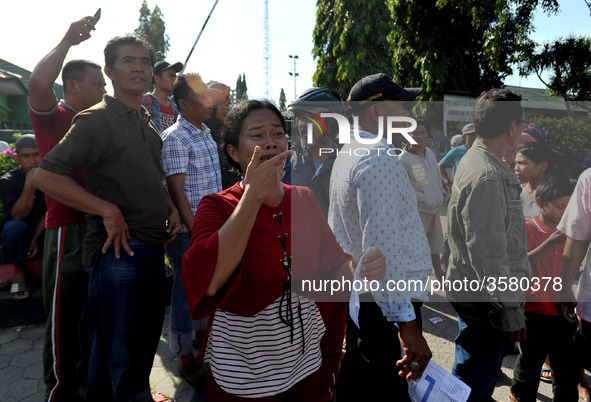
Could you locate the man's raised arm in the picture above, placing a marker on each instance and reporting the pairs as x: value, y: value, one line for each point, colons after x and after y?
x: 41, y: 95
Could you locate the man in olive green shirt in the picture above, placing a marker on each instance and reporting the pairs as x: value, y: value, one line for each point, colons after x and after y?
x: 487, y: 238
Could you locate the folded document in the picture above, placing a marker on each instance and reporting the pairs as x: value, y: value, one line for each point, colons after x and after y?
x: 437, y: 385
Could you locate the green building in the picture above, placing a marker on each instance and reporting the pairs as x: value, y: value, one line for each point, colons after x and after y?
x: 14, y: 82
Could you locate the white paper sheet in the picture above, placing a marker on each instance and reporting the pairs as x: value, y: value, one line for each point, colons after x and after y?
x: 437, y: 385
x: 354, y: 298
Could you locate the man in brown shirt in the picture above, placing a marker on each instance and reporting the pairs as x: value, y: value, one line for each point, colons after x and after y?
x: 118, y: 149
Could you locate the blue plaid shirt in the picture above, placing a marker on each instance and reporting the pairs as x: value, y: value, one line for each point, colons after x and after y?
x: 192, y: 151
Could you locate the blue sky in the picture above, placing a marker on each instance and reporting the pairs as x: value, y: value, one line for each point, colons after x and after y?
x: 573, y: 19
x: 231, y: 44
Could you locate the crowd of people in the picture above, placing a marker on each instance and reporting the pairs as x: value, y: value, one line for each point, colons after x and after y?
x: 245, y: 220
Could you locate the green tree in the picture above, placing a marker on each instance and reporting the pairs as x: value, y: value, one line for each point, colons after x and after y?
x: 571, y: 138
x: 151, y: 25
x: 350, y: 42
x: 241, y: 88
x: 459, y: 45
x: 568, y: 61
x: 282, y: 101
x: 440, y: 45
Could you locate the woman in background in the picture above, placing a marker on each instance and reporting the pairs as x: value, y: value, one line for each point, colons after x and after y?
x: 533, y: 161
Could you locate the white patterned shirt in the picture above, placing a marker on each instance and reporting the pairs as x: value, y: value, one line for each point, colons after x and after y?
x: 372, y: 204
x: 192, y: 151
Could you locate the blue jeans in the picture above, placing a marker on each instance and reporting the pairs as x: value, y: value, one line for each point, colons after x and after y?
x: 16, y: 239
x: 125, y: 316
x: 479, y: 356
x: 181, y: 323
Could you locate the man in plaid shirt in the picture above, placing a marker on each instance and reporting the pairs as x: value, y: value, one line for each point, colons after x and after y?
x: 192, y: 169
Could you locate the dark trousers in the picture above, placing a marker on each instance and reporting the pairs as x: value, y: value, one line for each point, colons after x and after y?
x: 368, y: 370
x: 548, y: 335
x: 334, y: 316
x: 66, y: 347
x: 15, y: 240
x: 478, y: 354
x: 583, y: 345
x: 125, y: 316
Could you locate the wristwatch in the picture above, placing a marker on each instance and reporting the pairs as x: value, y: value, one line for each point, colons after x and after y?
x: 446, y: 181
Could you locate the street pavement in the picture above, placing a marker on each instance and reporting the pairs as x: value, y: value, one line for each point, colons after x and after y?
x: 21, y: 347
x: 440, y: 338
x: 21, y: 366
x: 21, y: 370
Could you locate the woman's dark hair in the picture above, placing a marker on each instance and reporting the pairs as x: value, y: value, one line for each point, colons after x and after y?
x: 233, y: 124
x: 539, y: 152
x: 553, y: 188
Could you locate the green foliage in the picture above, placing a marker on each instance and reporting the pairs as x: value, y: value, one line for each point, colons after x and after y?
x: 8, y: 162
x: 152, y: 27
x: 282, y: 101
x: 439, y: 45
x: 350, y: 42
x: 459, y: 45
x: 570, y: 137
x: 7, y: 159
x: 241, y: 89
x: 569, y: 62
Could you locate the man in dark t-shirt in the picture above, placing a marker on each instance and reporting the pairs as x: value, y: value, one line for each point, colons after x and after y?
x: 65, y: 284
x: 23, y: 214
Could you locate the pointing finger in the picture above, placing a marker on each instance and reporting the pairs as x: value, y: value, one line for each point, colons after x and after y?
x: 256, y: 157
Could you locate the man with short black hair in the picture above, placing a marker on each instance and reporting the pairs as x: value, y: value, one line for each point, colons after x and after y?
x: 66, y: 348
x: 163, y: 111
x: 118, y: 148
x: 192, y: 169
x: 487, y: 237
x: 23, y: 214
x: 372, y: 204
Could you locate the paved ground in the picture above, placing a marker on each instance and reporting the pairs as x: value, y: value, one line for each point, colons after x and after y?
x: 441, y: 341
x: 21, y: 372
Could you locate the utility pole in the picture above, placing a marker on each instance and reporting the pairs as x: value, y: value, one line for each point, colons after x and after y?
x: 199, y: 36
x: 266, y: 52
x: 294, y: 74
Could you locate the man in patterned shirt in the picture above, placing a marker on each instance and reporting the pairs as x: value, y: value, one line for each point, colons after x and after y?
x: 372, y: 203
x: 192, y: 168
